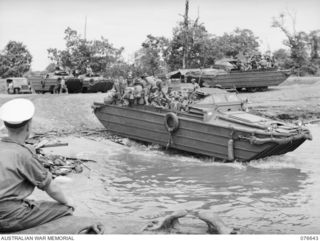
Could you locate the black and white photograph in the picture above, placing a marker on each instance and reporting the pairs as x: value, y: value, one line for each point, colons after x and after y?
x: 170, y: 118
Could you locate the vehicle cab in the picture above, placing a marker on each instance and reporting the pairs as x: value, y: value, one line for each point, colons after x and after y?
x: 213, y: 101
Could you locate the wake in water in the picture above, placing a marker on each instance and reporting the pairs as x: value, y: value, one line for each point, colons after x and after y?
x: 159, y: 152
x: 273, y: 162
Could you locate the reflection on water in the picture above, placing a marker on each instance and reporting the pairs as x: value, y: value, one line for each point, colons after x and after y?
x: 275, y: 195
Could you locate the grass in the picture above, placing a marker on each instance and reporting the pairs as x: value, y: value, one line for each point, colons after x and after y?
x: 3, y: 86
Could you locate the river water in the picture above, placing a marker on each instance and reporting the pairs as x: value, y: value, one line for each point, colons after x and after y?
x: 277, y: 195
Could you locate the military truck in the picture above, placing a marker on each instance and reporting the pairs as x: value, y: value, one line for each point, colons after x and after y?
x: 18, y: 85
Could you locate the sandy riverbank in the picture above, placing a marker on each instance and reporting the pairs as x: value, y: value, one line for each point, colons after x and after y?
x: 297, y: 98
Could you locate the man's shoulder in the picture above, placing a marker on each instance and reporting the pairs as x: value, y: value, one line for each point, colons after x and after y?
x: 8, y: 146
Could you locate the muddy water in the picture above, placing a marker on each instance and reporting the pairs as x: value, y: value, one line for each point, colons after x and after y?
x: 275, y: 195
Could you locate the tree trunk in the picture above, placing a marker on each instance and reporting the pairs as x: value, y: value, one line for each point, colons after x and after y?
x: 185, y: 47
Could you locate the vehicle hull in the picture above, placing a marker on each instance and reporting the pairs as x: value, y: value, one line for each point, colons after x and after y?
x: 41, y: 85
x: 245, y: 79
x: 97, y: 86
x: 193, y: 134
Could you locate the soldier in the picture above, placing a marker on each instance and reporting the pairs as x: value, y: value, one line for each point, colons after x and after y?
x: 63, y: 86
x: 128, y: 96
x: 138, y: 93
x: 263, y: 63
x: 154, y: 96
x: 195, y: 84
x: 57, y: 86
x: 175, y: 103
x: 123, y: 84
x: 170, y: 92
x: 253, y: 62
x: 21, y: 172
x: 89, y: 71
x: 10, y: 88
x: 163, y: 94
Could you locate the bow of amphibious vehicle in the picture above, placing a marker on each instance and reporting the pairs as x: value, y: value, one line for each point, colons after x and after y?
x: 226, y: 109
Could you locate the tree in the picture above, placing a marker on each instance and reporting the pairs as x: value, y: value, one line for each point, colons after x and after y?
x: 193, y: 52
x: 193, y: 47
x: 282, y: 58
x: 151, y: 57
x: 304, y: 48
x: 240, y: 41
x: 296, y: 41
x: 314, y: 42
x: 15, y: 60
x: 79, y: 53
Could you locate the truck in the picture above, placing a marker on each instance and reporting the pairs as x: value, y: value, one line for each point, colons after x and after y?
x: 18, y: 85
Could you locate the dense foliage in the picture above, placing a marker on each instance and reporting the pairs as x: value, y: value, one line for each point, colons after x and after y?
x: 80, y: 53
x: 193, y: 42
x: 15, y: 60
x: 193, y: 47
x: 304, y: 47
x: 150, y: 58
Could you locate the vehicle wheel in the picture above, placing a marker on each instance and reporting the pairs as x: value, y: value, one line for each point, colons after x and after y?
x: 252, y: 89
x: 171, y: 122
x: 51, y: 90
x: 16, y: 91
x: 264, y: 88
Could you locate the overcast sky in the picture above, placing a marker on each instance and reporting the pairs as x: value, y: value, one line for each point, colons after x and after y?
x: 40, y: 24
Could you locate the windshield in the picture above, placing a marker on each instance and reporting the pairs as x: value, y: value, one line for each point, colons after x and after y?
x: 233, y: 98
x: 61, y: 73
x: 18, y: 81
x: 220, y: 98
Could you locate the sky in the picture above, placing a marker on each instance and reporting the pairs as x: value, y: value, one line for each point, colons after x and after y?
x: 40, y: 24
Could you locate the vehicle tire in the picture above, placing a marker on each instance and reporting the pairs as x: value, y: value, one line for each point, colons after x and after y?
x: 264, y: 88
x: 171, y: 122
x: 252, y: 89
x: 51, y: 89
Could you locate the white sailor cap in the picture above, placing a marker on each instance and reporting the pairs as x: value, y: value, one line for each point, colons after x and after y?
x: 17, y: 111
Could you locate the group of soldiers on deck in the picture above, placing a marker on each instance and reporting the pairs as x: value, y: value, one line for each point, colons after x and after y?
x: 150, y: 91
x: 256, y: 62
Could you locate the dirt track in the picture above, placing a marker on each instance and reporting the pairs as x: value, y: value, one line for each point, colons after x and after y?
x: 296, y: 98
x: 61, y: 112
